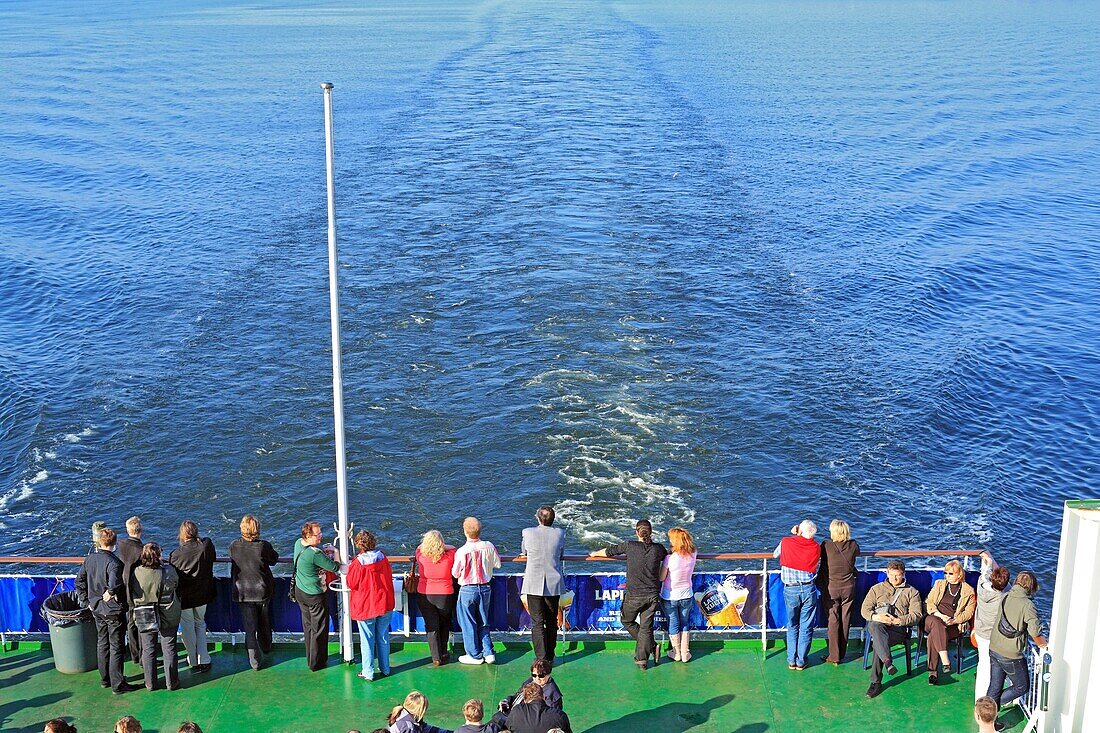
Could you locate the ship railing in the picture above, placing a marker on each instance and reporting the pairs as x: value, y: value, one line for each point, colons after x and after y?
x: 760, y: 564
x: 1034, y: 703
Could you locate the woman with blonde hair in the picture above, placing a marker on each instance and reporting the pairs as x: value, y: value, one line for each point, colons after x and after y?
x: 436, y: 592
x: 194, y: 560
x: 250, y: 563
x: 677, y: 595
x: 836, y: 578
x: 408, y: 717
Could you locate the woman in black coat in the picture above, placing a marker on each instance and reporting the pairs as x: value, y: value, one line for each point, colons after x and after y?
x: 194, y: 560
x: 251, y: 560
x: 533, y: 715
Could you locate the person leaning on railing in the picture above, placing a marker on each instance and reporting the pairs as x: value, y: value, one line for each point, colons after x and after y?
x: 99, y: 588
x: 1008, y: 642
x: 890, y: 608
x: 194, y: 559
x: 370, y: 582
x: 837, y: 581
x: 948, y: 608
x: 311, y: 593
x: 155, y: 584
x: 677, y: 597
x: 129, y: 554
x: 642, y: 597
x: 543, y: 547
x: 250, y: 563
x: 799, y: 559
x: 992, y: 582
x: 435, y: 593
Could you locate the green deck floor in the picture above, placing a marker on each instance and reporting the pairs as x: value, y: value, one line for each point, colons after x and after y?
x: 732, y: 689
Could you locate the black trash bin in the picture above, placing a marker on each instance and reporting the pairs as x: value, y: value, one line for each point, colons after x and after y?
x: 72, y: 633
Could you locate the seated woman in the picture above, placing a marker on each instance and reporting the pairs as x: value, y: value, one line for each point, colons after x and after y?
x: 540, y: 675
x: 408, y: 717
x: 950, y: 606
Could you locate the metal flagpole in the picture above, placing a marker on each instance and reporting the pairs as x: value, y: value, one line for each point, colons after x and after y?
x: 342, y: 530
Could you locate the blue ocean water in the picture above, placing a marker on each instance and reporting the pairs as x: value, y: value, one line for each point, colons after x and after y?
x: 719, y: 263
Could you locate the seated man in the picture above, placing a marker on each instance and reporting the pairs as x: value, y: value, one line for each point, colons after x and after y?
x: 890, y: 608
x: 531, y: 714
x: 949, y: 607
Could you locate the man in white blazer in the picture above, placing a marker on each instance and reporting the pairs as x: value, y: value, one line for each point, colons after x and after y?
x: 543, y: 546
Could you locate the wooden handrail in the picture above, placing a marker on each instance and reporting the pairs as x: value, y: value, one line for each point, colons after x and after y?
x: 11, y: 560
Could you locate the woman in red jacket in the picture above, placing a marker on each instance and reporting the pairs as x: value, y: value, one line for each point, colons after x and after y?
x: 370, y: 580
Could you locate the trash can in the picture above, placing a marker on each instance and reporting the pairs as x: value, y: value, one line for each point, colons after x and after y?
x: 72, y: 633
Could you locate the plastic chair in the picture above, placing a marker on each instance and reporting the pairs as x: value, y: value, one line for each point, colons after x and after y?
x: 908, y: 649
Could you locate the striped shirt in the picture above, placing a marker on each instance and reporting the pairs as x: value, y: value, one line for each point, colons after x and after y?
x: 475, y: 562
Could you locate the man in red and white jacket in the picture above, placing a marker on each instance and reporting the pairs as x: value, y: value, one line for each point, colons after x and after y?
x: 799, y: 556
x: 473, y: 568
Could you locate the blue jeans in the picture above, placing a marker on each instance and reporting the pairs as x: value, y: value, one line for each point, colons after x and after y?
x: 473, y: 619
x: 374, y: 638
x: 679, y: 614
x: 1014, y: 670
x: 801, y: 603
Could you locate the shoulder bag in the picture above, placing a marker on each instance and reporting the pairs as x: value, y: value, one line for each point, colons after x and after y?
x: 412, y: 580
x: 1004, y: 627
x: 293, y: 582
x: 147, y: 618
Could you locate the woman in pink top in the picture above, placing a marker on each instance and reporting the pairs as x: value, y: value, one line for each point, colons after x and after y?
x: 676, y: 591
x: 436, y: 592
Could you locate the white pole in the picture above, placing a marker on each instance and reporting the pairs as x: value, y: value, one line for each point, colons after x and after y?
x: 346, y: 643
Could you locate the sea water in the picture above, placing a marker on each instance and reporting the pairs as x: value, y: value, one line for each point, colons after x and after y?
x: 722, y: 264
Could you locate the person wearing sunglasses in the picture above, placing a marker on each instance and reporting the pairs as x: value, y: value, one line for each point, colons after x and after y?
x: 949, y: 607
x: 540, y: 675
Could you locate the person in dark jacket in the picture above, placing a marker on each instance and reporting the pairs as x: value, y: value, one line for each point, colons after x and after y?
x: 194, y: 560
x: 250, y: 563
x: 129, y: 553
x: 540, y: 674
x: 154, y: 584
x: 473, y: 713
x: 836, y: 579
x: 408, y: 717
x: 642, y: 597
x: 533, y: 715
x: 99, y: 587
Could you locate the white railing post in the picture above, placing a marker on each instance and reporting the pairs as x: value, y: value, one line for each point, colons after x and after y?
x: 347, y: 644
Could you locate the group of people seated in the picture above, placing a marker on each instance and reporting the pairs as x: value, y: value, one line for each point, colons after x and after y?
x: 535, y: 708
x: 132, y: 590
x: 125, y: 724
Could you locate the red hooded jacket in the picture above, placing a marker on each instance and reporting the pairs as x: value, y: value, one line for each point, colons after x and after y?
x: 370, y: 579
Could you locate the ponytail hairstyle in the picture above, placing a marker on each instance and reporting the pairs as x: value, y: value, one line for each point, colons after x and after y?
x: 644, y: 530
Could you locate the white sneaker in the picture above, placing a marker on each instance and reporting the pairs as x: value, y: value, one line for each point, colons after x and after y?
x: 490, y: 659
x: 467, y: 659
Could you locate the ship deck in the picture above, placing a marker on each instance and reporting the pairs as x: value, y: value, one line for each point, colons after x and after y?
x: 729, y: 687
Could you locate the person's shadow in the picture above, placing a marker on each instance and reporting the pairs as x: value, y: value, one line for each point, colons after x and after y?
x: 42, y: 701
x: 674, y: 717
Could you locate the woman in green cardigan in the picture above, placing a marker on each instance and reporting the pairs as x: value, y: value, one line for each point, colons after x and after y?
x: 311, y: 593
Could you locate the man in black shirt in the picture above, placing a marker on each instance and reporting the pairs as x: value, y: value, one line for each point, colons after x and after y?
x: 643, y: 588
x: 129, y: 553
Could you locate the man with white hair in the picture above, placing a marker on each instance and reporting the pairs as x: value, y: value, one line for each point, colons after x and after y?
x: 799, y: 556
